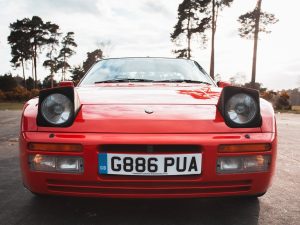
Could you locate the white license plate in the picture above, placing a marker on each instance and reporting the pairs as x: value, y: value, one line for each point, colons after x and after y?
x: 150, y: 165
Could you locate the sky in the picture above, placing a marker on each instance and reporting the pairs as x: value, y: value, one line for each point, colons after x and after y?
x: 143, y: 27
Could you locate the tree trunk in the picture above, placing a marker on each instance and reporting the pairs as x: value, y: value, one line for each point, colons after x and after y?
x: 213, y: 30
x: 34, y: 64
x: 32, y: 71
x: 51, y: 78
x: 189, y: 36
x: 256, y: 31
x: 23, y: 70
x: 64, y: 68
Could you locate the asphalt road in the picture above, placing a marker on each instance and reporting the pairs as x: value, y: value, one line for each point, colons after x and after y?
x: 281, y: 205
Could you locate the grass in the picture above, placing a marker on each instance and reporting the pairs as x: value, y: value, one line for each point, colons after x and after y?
x: 11, y: 105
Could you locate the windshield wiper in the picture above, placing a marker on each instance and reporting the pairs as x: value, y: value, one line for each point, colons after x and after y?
x: 123, y: 80
x: 183, y: 81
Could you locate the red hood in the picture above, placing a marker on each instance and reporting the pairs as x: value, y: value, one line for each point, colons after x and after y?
x: 150, y: 94
x: 121, y: 108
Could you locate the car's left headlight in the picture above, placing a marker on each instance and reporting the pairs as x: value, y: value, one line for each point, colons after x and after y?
x: 240, y: 107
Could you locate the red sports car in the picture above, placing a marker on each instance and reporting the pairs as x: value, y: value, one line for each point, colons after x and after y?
x: 148, y: 128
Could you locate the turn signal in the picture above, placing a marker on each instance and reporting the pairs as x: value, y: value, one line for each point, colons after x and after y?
x: 55, y: 147
x: 244, y: 148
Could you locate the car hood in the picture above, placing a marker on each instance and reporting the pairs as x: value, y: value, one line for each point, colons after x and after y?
x: 132, y: 94
x: 146, y: 109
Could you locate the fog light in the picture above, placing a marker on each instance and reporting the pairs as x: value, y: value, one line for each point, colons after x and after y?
x: 68, y: 164
x: 63, y: 164
x: 243, y: 164
x: 230, y: 164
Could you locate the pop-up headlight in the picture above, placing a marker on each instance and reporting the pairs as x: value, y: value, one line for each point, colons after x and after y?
x: 57, y: 107
x: 240, y: 107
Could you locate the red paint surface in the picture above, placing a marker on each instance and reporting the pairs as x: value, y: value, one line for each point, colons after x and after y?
x: 114, y: 114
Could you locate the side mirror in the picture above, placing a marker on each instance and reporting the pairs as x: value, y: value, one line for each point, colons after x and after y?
x: 222, y: 84
x: 66, y: 84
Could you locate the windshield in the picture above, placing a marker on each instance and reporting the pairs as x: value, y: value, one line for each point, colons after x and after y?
x: 146, y: 70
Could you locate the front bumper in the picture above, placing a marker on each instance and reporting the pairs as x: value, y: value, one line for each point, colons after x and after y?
x: 91, y: 184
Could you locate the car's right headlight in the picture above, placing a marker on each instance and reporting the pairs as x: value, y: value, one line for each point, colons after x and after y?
x: 57, y: 109
x: 240, y: 107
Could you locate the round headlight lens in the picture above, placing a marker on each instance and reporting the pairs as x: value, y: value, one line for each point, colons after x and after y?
x: 241, y: 108
x: 56, y: 109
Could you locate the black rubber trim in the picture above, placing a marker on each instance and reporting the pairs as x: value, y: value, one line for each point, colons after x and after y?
x: 69, y: 93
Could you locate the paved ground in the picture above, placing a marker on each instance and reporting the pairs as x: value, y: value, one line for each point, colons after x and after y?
x: 281, y: 205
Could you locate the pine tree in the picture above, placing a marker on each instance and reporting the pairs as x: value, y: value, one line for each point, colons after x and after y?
x: 20, y: 45
x: 67, y: 50
x: 52, y: 42
x: 252, y: 23
x: 216, y: 7
x: 92, y: 58
x: 27, y: 38
x: 189, y: 23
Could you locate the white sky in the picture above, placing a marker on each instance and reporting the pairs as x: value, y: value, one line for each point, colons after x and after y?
x: 143, y: 27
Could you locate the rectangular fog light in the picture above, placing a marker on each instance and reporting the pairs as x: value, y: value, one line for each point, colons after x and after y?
x: 69, y: 164
x: 63, y: 164
x: 243, y: 164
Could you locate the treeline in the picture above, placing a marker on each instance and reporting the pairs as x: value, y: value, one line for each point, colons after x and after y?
x: 13, y: 88
x: 32, y: 38
x: 281, y: 100
x: 16, y: 88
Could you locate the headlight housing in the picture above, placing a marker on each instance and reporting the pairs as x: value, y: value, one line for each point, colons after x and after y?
x: 240, y: 107
x: 57, y: 107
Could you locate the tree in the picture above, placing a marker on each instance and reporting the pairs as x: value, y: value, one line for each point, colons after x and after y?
x: 7, y: 82
x: 37, y: 35
x: 27, y: 38
x: 188, y: 24
x: 257, y: 86
x: 106, y: 47
x: 20, y: 45
x: 252, y: 23
x: 283, y: 101
x: 30, y: 83
x: 216, y: 6
x: 67, y: 50
x: 77, y: 73
x: 195, y: 17
x: 270, y: 96
x: 52, y: 42
x: 48, y: 82
x: 92, y: 58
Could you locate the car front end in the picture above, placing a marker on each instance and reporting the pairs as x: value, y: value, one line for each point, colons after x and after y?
x: 148, y: 140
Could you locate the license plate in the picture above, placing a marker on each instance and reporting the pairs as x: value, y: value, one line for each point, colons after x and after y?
x: 150, y: 165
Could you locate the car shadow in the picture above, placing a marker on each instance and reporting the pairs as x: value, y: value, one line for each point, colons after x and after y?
x: 64, y: 210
